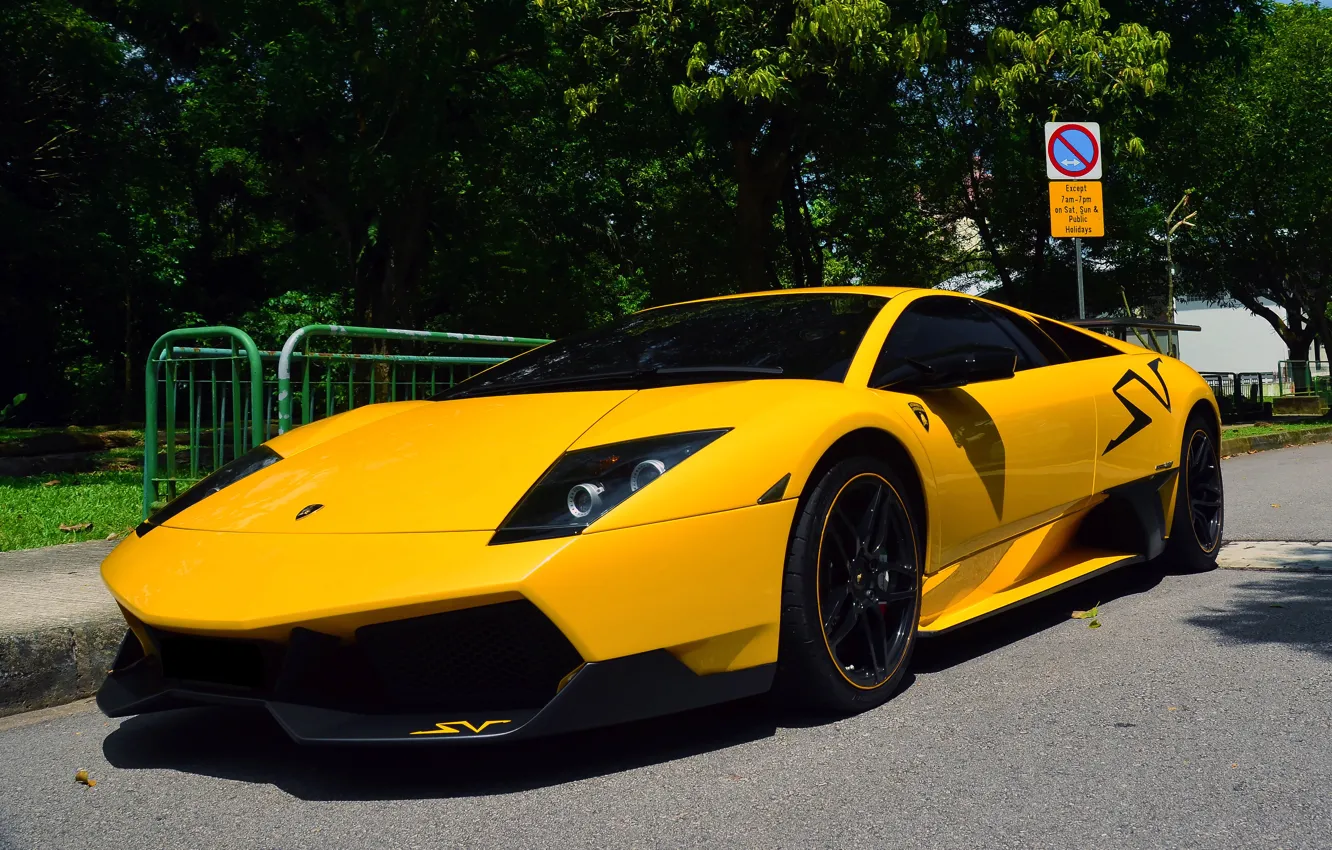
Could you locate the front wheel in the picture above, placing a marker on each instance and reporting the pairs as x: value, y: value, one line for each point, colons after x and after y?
x: 1199, y: 520
x: 851, y: 592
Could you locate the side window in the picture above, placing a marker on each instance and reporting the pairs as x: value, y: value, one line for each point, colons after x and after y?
x: 1078, y: 345
x: 1030, y: 339
x: 935, y: 325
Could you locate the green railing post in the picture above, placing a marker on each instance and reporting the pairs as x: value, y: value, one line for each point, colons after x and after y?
x: 159, y: 352
x: 284, y: 400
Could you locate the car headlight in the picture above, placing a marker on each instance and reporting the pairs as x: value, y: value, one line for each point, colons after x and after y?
x: 224, y: 476
x: 585, y: 485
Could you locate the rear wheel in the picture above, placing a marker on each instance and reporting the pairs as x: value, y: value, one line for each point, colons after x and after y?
x: 851, y: 592
x: 1195, y: 531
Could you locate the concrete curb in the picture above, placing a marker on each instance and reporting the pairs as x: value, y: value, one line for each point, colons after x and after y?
x: 1263, y: 442
x: 1292, y: 557
x: 56, y: 664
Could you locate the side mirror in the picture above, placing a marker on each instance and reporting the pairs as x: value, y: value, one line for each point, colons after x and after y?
x: 954, y: 368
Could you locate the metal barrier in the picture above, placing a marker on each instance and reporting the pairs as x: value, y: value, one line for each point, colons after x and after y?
x: 195, y: 370
x: 1305, y: 378
x: 1240, y: 396
x: 159, y: 357
x: 305, y: 334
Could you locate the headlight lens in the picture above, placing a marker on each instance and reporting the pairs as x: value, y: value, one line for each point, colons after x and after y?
x: 585, y: 485
x: 224, y: 476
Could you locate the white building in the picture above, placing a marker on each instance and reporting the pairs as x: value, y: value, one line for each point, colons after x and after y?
x: 1232, y: 339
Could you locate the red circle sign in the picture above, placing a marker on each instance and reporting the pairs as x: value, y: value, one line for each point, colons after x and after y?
x: 1085, y: 164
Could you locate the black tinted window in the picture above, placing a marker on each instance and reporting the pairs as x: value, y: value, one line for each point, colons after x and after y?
x: 1034, y: 344
x: 811, y: 335
x: 934, y: 326
x: 1078, y: 345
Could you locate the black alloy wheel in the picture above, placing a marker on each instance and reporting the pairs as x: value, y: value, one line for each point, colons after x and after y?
x: 1202, y: 475
x: 867, y: 580
x: 1198, y: 525
x: 852, y: 587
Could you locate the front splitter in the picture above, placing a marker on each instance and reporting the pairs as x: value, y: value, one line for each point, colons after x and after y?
x: 601, y: 693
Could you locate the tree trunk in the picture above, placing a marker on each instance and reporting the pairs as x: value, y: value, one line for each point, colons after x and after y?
x: 793, y: 225
x: 762, y: 168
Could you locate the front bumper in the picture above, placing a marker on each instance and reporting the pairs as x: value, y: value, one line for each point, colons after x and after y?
x: 404, y: 637
x: 599, y: 693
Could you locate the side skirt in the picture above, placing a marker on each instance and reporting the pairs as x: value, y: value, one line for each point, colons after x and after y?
x: 1075, y: 567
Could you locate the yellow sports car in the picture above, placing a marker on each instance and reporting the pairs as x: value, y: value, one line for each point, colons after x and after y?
x: 701, y: 502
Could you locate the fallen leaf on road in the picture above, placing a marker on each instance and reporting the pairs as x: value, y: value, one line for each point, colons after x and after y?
x: 1276, y: 605
x: 50, y: 483
x: 1172, y: 708
x: 78, y: 526
x: 1276, y: 506
x: 1094, y: 624
x: 113, y: 536
x: 82, y: 776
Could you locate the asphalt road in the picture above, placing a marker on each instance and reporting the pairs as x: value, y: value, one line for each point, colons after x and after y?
x: 1284, y: 494
x: 1198, y: 715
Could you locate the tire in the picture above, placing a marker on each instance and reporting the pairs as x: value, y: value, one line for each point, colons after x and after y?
x: 851, y: 590
x: 1199, y: 521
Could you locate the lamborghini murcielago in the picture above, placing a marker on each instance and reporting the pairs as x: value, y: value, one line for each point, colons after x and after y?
x: 701, y: 502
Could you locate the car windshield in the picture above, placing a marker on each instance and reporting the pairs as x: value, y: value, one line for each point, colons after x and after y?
x: 806, y: 335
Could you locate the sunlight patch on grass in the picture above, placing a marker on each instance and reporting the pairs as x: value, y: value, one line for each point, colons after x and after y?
x: 1262, y: 428
x: 31, y: 513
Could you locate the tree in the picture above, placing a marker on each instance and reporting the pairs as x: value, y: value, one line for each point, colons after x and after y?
x: 1258, y: 144
x: 762, y: 83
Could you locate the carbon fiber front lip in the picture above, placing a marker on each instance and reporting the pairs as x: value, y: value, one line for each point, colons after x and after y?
x: 601, y: 693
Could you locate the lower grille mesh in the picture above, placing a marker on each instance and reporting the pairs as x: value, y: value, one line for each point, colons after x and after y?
x: 494, y: 656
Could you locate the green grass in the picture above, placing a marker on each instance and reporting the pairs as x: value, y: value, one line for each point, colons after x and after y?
x: 1268, y: 428
x: 31, y: 513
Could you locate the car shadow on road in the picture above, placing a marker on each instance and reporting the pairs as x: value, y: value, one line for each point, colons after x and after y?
x: 249, y: 746
x: 1290, y: 609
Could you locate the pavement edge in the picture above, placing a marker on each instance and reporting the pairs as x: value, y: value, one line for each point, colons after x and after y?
x: 56, y: 664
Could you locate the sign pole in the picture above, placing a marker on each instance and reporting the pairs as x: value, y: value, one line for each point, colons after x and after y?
x: 1082, y: 301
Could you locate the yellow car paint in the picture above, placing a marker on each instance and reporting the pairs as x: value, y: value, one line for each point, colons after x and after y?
x: 414, y: 490
x: 612, y: 593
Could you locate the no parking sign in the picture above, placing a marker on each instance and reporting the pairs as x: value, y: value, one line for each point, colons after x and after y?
x: 1073, y: 151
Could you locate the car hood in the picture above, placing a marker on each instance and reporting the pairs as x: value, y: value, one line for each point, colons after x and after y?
x: 457, y: 465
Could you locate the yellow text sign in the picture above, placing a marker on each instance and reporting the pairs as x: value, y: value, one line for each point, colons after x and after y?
x: 1076, y: 208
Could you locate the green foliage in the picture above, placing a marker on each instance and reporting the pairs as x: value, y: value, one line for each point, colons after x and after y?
x: 1258, y: 140
x: 7, y: 411
x: 540, y: 168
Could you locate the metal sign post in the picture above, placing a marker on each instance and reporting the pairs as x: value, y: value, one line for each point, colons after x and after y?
x: 1082, y: 300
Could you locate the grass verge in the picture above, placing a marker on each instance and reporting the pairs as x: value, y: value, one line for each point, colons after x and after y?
x: 1262, y: 428
x: 32, y: 510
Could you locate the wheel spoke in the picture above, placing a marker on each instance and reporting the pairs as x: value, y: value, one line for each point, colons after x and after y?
x: 836, y: 603
x: 895, y: 596
x: 876, y: 635
x: 848, y: 551
x: 837, y: 635
x: 900, y: 568
x: 865, y: 528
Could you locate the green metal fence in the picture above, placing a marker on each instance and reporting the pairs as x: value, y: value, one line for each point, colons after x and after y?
x: 242, y: 355
x: 227, y: 389
x: 303, y: 336
x: 1305, y: 378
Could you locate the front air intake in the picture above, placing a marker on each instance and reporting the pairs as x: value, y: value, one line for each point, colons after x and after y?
x: 507, y: 655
